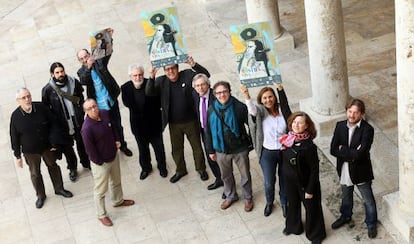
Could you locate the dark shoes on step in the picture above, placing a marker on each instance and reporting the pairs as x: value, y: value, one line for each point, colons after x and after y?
x: 340, y: 222
x: 64, y: 193
x: 163, y: 173
x: 215, y: 185
x: 126, y: 151
x: 177, y: 177
x: 372, y: 232
x: 39, y: 202
x: 268, y: 210
x: 73, y: 175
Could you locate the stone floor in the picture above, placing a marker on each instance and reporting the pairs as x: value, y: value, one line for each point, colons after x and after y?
x: 39, y: 32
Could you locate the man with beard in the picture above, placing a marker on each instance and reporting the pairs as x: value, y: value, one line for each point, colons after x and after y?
x: 145, y: 118
x: 63, y: 95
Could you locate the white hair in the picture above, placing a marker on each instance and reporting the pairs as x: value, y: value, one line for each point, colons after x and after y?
x: 20, y: 90
x: 133, y: 66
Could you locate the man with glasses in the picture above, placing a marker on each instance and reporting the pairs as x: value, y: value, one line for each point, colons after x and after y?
x: 102, y: 144
x: 102, y: 87
x: 178, y: 110
x: 33, y: 133
x: 228, y: 142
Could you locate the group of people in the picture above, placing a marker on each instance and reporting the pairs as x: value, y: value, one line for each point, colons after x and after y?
x: 209, y: 117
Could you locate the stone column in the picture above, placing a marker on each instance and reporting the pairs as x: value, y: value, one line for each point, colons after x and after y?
x: 399, y: 206
x: 265, y: 10
x: 404, y: 30
x: 268, y: 10
x: 327, y: 56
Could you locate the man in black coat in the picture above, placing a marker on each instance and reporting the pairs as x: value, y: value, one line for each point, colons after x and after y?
x: 351, y: 144
x: 95, y: 74
x: 33, y: 133
x: 145, y: 118
x: 203, y: 98
x: 177, y: 108
x: 63, y: 95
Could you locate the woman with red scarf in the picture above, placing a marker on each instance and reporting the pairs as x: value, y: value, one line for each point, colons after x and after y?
x: 301, y: 170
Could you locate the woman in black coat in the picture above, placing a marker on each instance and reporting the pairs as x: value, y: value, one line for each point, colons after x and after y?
x: 301, y: 170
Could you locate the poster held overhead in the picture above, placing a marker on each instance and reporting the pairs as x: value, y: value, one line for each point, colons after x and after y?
x: 101, y: 43
x: 164, y: 37
x: 257, y: 61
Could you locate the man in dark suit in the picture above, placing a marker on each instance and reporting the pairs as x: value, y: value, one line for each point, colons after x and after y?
x: 145, y: 118
x: 351, y: 144
x: 203, y: 98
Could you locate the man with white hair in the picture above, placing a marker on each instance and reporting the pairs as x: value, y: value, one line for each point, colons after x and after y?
x: 145, y: 118
x: 32, y: 132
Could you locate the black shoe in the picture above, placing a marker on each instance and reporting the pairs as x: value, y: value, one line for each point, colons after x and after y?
x: 268, y: 209
x: 215, y: 185
x: 177, y: 177
x: 64, y: 193
x: 126, y: 151
x: 40, y: 202
x: 316, y: 242
x: 340, y: 222
x: 285, y: 232
x: 372, y: 232
x: 284, y: 210
x: 223, y: 196
x: 73, y: 175
x: 203, y: 175
x: 144, y: 174
x: 163, y: 173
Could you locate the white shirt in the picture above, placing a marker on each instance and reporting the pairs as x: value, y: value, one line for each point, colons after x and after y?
x: 200, y: 108
x: 345, y: 176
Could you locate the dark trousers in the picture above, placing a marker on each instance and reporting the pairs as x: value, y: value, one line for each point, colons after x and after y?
x: 71, y: 160
x: 369, y: 203
x: 314, y: 224
x: 83, y: 157
x: 192, y: 131
x: 33, y: 161
x: 213, y: 164
x: 116, y: 120
x: 157, y: 144
x: 269, y: 161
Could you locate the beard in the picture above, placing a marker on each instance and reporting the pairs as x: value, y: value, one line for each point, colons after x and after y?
x: 61, y: 81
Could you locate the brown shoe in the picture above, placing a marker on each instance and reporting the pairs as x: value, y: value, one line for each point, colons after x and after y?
x: 248, y: 205
x: 106, y: 221
x: 226, y: 204
x: 125, y: 203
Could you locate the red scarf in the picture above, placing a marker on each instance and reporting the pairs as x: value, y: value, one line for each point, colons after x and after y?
x: 288, y: 139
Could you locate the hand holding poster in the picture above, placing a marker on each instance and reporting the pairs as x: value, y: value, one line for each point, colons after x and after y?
x: 257, y: 62
x: 164, y: 38
x: 101, y: 43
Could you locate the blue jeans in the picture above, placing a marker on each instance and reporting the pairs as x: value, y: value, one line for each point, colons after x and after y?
x: 269, y: 161
x: 367, y: 197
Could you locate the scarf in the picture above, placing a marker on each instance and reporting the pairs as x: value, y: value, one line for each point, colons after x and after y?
x: 291, y: 137
x: 226, y: 112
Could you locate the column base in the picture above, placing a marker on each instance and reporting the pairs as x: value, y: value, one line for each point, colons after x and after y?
x: 396, y: 220
x: 285, y: 42
x: 325, y: 124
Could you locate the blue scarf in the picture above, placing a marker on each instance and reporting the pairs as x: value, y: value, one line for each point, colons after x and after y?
x: 216, y: 125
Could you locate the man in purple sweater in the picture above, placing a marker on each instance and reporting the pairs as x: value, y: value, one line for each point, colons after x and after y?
x: 102, y: 144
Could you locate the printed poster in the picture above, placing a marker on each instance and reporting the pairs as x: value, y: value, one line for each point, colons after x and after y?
x: 101, y: 43
x: 164, y: 37
x: 257, y: 61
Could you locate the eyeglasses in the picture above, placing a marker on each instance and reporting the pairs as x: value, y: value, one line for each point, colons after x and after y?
x: 200, y: 85
x: 221, y: 92
x: 26, y: 97
x: 91, y: 107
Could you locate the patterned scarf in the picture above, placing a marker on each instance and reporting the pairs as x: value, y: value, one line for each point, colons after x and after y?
x: 291, y: 137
